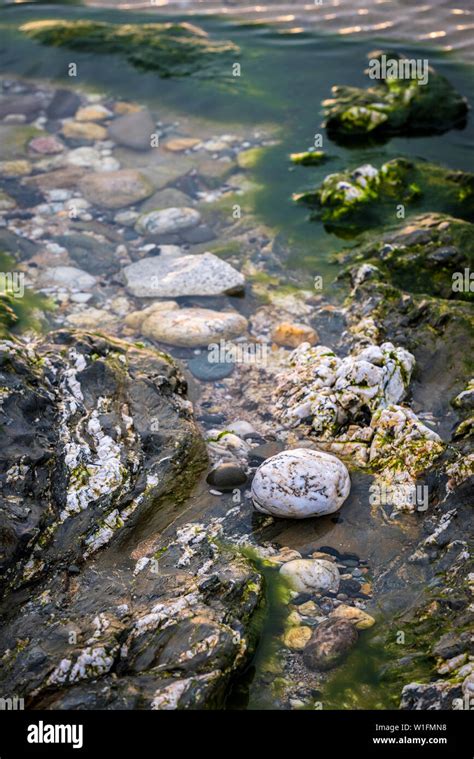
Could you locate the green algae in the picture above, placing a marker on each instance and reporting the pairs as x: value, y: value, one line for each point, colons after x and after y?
x: 170, y: 49
x: 400, y: 103
x: 308, y: 158
x: 366, y: 196
x: 19, y: 312
x: 257, y: 686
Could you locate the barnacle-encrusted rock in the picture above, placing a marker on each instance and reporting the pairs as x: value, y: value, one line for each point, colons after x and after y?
x: 331, y: 392
x: 300, y: 483
x: 396, y: 104
x: 352, y: 407
x: 366, y: 195
x: 121, y: 610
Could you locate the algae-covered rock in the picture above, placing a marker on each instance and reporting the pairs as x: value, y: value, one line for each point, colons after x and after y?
x: 427, y: 254
x: 308, y: 158
x: 171, y: 49
x: 20, y: 308
x: 366, y: 196
x: 403, y: 101
x: 330, y: 644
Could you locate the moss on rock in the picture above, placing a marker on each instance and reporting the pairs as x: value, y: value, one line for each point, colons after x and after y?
x: 171, y: 49
x: 396, y: 104
x: 367, y: 196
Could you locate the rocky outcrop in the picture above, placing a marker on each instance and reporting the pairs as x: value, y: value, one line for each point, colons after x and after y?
x: 404, y: 100
x: 366, y: 196
x: 104, y: 606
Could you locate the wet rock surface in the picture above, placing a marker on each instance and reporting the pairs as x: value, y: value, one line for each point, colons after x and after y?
x: 404, y: 101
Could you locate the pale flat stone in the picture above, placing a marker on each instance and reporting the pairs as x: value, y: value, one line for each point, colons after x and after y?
x: 116, y: 189
x: 173, y: 277
x: 193, y: 327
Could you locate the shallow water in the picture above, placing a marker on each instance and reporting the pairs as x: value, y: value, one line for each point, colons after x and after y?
x: 286, y: 72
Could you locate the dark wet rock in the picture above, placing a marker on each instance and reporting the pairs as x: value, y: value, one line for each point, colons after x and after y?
x: 134, y: 130
x: 452, y: 644
x: 197, y: 235
x: 63, y: 105
x: 264, y: 451
x: 77, y: 411
x: 351, y: 587
x: 227, y: 476
x: 90, y: 254
x: 395, y: 105
x: 301, y: 598
x: 366, y: 196
x: 211, y: 419
x: 28, y: 105
x: 20, y: 247
x: 118, y: 610
x: 431, y: 696
x: 171, y: 49
x: 422, y: 255
x: 330, y: 644
x: 207, y: 371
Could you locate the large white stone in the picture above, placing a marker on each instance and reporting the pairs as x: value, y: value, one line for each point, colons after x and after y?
x: 300, y: 483
x: 310, y: 575
x: 172, y: 277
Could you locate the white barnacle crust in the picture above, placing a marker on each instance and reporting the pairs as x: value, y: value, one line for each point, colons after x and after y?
x: 331, y: 392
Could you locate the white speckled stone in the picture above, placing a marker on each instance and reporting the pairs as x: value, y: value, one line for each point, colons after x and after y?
x: 167, y: 220
x: 300, y: 483
x: 309, y: 575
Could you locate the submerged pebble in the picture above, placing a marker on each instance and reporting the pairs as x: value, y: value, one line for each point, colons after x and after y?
x: 329, y: 644
x: 306, y: 575
x: 227, y: 476
x: 206, y: 371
